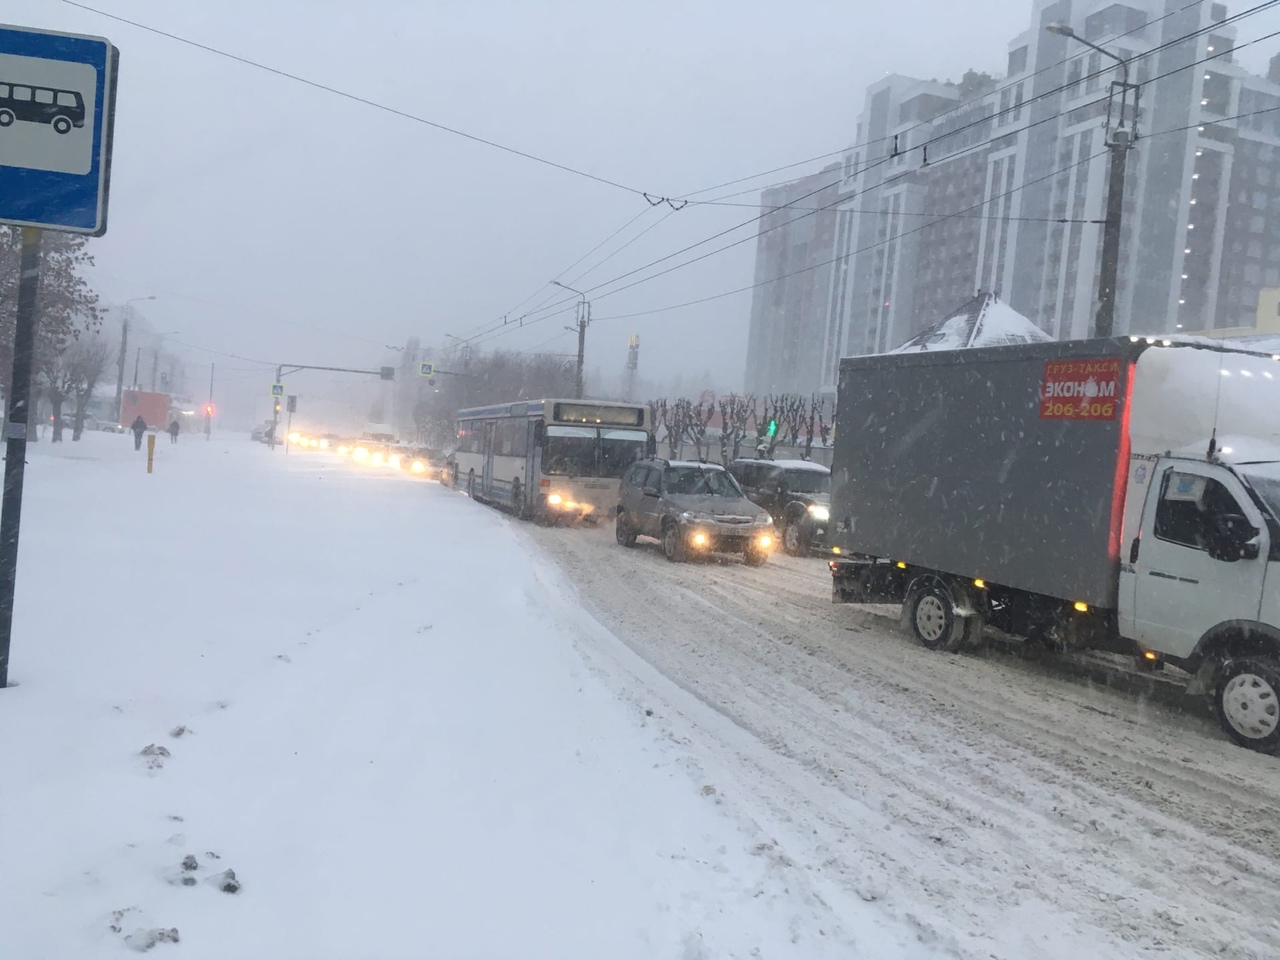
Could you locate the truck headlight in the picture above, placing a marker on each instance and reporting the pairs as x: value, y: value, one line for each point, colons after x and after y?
x: 819, y: 512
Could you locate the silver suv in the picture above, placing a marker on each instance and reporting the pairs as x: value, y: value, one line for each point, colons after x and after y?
x: 691, y: 507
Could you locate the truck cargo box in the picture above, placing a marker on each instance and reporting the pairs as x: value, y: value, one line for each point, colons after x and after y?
x: 1011, y: 463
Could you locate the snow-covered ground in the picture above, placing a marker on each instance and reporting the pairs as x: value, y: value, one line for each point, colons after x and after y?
x: 1005, y: 808
x: 282, y: 707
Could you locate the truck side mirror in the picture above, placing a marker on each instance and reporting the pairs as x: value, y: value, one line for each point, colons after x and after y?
x: 1231, y: 537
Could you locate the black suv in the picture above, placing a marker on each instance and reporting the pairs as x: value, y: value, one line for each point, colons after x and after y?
x: 797, y: 494
x: 691, y: 507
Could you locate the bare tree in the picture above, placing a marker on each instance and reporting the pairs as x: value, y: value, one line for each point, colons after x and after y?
x: 87, y: 362
x: 735, y: 414
x: 700, y: 416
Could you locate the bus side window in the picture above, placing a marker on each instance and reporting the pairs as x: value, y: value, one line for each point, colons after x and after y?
x: 520, y: 438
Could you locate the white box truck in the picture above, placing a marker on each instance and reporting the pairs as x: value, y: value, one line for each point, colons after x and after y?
x: 1119, y: 494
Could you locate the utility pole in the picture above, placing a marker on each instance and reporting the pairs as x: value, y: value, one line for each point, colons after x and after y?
x: 124, y: 347
x: 1120, y: 140
x: 137, y: 359
x: 584, y: 318
x: 275, y: 408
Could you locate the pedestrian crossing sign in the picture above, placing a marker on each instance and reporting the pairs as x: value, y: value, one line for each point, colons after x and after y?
x: 426, y: 369
x: 277, y: 389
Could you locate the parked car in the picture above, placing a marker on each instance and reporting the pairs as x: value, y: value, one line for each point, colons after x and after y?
x: 691, y: 507
x: 797, y: 494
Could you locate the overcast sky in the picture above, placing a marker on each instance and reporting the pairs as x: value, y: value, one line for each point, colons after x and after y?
x: 277, y: 221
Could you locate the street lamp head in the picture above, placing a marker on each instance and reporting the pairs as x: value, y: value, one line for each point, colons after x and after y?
x: 1061, y: 29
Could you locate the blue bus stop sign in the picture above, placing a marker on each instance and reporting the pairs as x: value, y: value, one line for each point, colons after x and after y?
x: 57, y: 112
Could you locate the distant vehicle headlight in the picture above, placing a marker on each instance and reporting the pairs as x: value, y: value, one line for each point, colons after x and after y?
x: 361, y: 453
x: 394, y: 461
x: 295, y: 437
x: 819, y: 512
x: 417, y: 467
x: 377, y: 459
x: 342, y: 450
x: 324, y: 444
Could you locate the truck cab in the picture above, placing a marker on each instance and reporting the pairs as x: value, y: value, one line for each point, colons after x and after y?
x: 1200, y: 576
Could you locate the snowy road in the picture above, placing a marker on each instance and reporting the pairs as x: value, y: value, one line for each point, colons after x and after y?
x: 1004, y: 808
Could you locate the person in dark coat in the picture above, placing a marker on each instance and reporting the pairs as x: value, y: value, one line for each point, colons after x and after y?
x: 173, y: 431
x: 139, y: 427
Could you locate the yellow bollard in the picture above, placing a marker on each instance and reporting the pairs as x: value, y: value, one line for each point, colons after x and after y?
x: 151, y: 451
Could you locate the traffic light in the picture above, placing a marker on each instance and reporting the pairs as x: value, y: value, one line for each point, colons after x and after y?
x: 277, y: 406
x: 208, y: 409
x: 773, y: 427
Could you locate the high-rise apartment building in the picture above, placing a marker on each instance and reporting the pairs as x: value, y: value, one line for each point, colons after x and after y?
x: 1000, y: 185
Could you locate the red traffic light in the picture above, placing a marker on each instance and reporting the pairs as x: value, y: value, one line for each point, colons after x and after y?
x: 208, y: 409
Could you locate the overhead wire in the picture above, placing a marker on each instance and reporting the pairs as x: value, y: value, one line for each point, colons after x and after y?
x: 355, y: 98
x: 845, y: 197
x: 1011, y: 84
x: 944, y: 217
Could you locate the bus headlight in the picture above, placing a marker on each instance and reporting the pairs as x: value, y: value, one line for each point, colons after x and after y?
x: 819, y: 512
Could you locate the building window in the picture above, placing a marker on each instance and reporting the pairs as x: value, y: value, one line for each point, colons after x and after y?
x: 1017, y: 61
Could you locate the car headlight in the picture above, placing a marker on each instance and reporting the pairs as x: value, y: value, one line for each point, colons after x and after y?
x: 764, y: 520
x: 819, y: 512
x: 690, y: 516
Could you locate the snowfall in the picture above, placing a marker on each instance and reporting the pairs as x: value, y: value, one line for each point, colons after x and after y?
x: 283, y: 706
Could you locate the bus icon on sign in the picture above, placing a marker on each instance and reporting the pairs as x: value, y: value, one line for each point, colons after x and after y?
x: 61, y: 109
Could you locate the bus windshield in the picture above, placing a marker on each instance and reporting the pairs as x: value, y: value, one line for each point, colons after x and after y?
x: 591, y: 452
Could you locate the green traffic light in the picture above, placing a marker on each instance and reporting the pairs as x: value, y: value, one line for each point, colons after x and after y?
x: 773, y: 427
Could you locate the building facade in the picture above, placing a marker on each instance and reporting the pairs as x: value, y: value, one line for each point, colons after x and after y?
x: 1000, y: 184
x: 796, y: 234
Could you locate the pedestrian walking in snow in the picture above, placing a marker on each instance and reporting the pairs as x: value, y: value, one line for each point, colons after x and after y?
x: 173, y: 431
x: 139, y: 427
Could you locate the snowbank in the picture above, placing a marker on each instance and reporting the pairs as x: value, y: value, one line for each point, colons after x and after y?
x: 278, y: 707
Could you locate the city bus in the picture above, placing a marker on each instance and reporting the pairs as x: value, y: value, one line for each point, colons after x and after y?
x: 549, y: 459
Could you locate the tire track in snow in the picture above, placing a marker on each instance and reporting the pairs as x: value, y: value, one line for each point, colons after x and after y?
x: 1011, y: 784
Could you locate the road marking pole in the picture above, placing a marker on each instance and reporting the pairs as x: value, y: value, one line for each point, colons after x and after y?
x: 151, y: 451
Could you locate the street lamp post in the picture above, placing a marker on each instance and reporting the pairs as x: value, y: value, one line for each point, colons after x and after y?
x: 1119, y: 142
x: 124, y: 349
x: 584, y: 317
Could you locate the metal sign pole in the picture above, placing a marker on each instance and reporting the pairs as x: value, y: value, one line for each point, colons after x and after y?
x: 15, y: 458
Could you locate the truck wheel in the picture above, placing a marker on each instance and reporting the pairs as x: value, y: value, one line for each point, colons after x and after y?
x: 931, y: 615
x: 673, y: 543
x: 626, y: 536
x: 1246, y: 701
